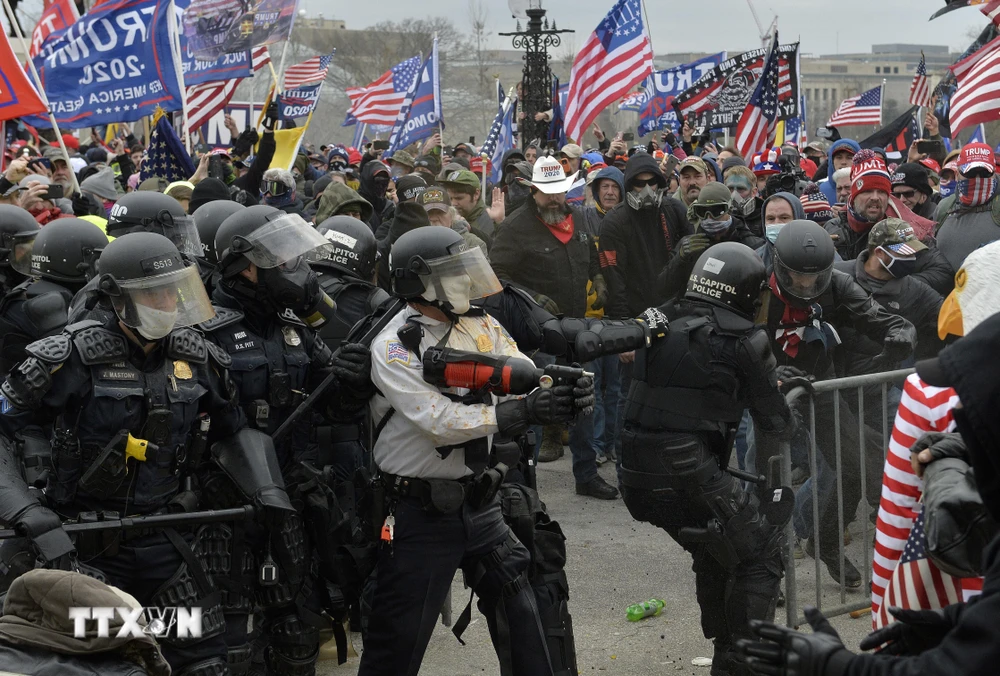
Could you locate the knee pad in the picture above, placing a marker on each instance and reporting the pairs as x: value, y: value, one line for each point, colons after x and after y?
x: 752, y: 594
x: 501, y: 573
x: 191, y: 587
x: 294, y: 646
x: 238, y: 658
x: 228, y: 560
x: 215, y: 666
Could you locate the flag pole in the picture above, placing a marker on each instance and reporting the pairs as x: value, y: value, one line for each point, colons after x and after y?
x: 41, y: 93
x: 440, y: 103
x: 281, y: 66
x: 175, y: 43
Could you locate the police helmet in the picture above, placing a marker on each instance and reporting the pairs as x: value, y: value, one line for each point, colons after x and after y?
x: 152, y: 289
x: 17, y: 231
x: 266, y: 237
x: 66, y: 250
x: 730, y: 275
x: 355, y: 250
x: 150, y: 211
x: 434, y: 264
x: 803, y: 261
x: 207, y: 219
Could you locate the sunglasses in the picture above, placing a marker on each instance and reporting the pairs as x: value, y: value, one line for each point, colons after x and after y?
x: 274, y: 188
x: 905, y: 194
x: 640, y: 183
x: 710, y: 210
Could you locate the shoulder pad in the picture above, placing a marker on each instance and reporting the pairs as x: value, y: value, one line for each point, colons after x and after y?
x: 757, y: 348
x: 81, y: 325
x: 48, y: 312
x: 188, y: 345
x: 51, y: 349
x: 218, y: 355
x: 377, y: 297
x: 223, y: 317
x: 98, y: 345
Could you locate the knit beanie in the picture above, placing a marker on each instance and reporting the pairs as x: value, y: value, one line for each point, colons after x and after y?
x: 208, y: 190
x: 815, y: 204
x: 868, y: 172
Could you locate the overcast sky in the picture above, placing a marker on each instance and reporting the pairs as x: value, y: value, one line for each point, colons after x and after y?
x: 708, y: 25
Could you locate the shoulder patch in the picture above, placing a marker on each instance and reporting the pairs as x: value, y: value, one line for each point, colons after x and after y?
x: 395, y: 351
x: 5, y: 405
x: 52, y: 349
x: 187, y: 345
x: 98, y: 345
x: 218, y: 355
x: 223, y: 317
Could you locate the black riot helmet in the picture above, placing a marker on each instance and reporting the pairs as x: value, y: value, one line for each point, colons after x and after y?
x: 66, y: 249
x: 730, y: 275
x: 207, y: 219
x: 355, y: 250
x: 803, y: 261
x: 17, y: 231
x: 152, y: 288
x: 435, y: 265
x: 150, y: 211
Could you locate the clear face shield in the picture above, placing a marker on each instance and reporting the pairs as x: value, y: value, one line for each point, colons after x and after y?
x: 20, y: 252
x: 154, y: 306
x: 460, y: 279
x: 803, y: 286
x: 281, y: 240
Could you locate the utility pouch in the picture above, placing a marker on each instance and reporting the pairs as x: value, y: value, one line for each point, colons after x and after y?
x: 107, y: 472
x: 486, y: 485
x: 157, y: 427
x: 97, y: 543
x: 280, y: 389
x: 259, y: 411
x: 446, y: 496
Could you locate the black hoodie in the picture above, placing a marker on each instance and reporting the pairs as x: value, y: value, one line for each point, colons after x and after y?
x: 637, y: 246
x: 368, y: 191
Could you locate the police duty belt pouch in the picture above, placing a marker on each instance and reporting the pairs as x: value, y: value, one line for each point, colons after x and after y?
x: 444, y: 496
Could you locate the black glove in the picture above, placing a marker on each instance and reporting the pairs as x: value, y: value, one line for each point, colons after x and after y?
x: 244, y: 143
x: 943, y: 445
x: 601, y: 289
x: 271, y: 116
x: 44, y: 528
x: 543, y: 406
x: 691, y: 246
x: 896, y: 348
x: 84, y: 205
x: 790, y: 653
x: 547, y: 303
x: 913, y: 632
x: 790, y: 377
x: 791, y: 427
x: 583, y: 395
x: 353, y: 367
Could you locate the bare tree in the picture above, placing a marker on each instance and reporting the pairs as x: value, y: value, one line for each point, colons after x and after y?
x: 478, y: 18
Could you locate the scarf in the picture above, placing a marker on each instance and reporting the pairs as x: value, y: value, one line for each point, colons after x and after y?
x: 563, y: 230
x: 793, y: 322
x: 857, y: 222
x: 975, y: 192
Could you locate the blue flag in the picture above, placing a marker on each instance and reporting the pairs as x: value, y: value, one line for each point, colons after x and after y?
x: 420, y: 115
x: 298, y: 102
x: 166, y: 157
x: 663, y: 85
x: 979, y: 135
x: 500, y: 138
x: 557, y: 131
x: 198, y: 67
x: 113, y: 65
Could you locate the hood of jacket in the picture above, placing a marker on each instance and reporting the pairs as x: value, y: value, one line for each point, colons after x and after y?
x: 615, y: 174
x: 101, y: 184
x: 837, y: 145
x: 366, y: 187
x: 36, y: 614
x: 336, y: 197
x: 639, y: 163
x: 797, y: 210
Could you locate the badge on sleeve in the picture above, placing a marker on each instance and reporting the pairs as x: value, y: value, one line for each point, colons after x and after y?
x: 395, y: 351
x: 484, y: 343
x: 291, y: 336
x: 182, y: 370
x: 5, y: 405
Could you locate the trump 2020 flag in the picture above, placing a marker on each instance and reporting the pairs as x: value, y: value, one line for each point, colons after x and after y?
x: 298, y: 102
x: 56, y: 16
x: 114, y: 65
x: 420, y: 115
x: 199, y: 67
x: 500, y: 138
x: 18, y: 96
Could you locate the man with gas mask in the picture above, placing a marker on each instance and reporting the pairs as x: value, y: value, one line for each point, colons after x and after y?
x: 712, y: 215
x: 17, y: 231
x: 809, y: 305
x: 207, y: 219
x: 746, y: 200
x: 707, y: 363
x: 135, y: 399
x: 268, y: 304
x: 433, y: 450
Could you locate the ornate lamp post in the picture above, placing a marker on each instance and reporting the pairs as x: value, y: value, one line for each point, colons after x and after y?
x: 536, y: 82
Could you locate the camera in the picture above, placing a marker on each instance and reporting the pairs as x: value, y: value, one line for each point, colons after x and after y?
x: 787, y: 180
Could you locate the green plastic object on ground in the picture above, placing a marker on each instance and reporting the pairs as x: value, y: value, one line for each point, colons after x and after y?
x: 650, y: 608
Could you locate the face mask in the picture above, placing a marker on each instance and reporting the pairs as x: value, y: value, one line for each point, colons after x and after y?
x: 353, y: 184
x: 713, y: 227
x: 948, y: 187
x: 516, y: 191
x: 643, y: 199
x: 974, y: 192
x: 154, y: 324
x: 397, y: 171
x: 454, y: 291
x: 771, y: 231
x: 745, y: 206
x: 898, y: 267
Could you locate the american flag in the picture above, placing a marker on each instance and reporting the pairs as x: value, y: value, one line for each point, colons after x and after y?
x: 617, y: 56
x: 308, y: 72
x: 756, y: 126
x: 865, y: 108
x: 205, y: 100
x: 922, y: 409
x: 166, y: 157
x: 500, y: 138
x: 920, y: 90
x: 975, y: 100
x: 992, y: 11
x: 380, y: 101
x: 784, y: 80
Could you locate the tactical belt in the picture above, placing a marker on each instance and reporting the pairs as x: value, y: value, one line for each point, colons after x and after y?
x: 335, y: 434
x: 441, y: 496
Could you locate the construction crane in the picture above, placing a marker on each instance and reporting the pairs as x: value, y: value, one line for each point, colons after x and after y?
x: 765, y: 36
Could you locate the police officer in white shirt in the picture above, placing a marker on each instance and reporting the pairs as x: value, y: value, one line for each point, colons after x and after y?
x: 433, y: 455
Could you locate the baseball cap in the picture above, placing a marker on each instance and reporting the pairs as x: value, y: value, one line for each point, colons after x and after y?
x: 71, y: 142
x: 476, y: 165
x: 897, y: 236
x: 463, y: 177
x: 54, y: 154
x: 976, y: 156
x: 464, y: 147
x: 548, y: 176
x: 931, y: 165
x: 427, y: 162
x: 434, y: 199
x: 572, y: 151
x: 695, y: 163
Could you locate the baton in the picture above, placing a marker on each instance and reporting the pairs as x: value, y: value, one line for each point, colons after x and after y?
x: 165, y: 520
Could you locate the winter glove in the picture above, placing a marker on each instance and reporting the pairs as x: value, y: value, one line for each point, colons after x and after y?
x: 790, y: 377
x: 84, y: 205
x: 44, y: 528
x: 896, y: 348
x: 601, y: 289
x: 790, y: 653
x: 547, y: 303
x: 271, y: 116
x: 913, y: 632
x: 691, y: 246
x: 244, y: 143
x: 543, y: 406
x: 583, y: 395
x: 353, y: 366
x: 942, y: 445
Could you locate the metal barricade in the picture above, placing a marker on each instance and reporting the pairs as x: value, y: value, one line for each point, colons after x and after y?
x: 840, y: 389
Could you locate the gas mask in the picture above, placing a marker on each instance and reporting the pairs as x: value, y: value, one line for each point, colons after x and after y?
x: 897, y: 266
x: 743, y: 206
x: 644, y: 199
x: 154, y: 324
x: 292, y: 286
x: 398, y: 170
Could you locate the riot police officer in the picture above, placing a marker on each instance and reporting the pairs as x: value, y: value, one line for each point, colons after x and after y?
x: 433, y: 452
x: 63, y: 259
x: 207, y: 219
x: 264, y: 286
x: 133, y: 400
x: 17, y: 230
x: 147, y: 211
x: 708, y: 363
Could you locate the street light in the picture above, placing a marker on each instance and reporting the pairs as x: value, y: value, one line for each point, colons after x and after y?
x: 536, y: 81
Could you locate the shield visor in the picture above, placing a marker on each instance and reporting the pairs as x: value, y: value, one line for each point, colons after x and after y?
x: 184, y: 234
x: 283, y: 239
x: 471, y: 264
x: 20, y: 253
x: 803, y: 285
x: 178, y: 293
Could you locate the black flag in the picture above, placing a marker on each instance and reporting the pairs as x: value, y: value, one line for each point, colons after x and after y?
x: 897, y: 135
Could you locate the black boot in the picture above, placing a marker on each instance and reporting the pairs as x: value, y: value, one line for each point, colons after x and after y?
x: 597, y: 488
